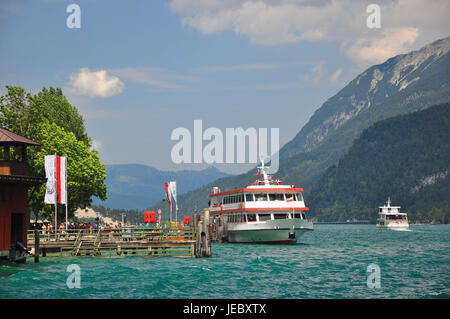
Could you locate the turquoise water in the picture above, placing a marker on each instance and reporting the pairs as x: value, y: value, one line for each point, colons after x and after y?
x: 330, y: 262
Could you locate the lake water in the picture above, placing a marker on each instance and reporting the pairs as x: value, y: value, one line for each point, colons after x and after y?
x: 330, y: 262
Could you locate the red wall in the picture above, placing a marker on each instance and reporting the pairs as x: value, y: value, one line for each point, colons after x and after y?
x: 14, y: 202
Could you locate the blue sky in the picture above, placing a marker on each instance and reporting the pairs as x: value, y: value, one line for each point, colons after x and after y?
x: 136, y: 70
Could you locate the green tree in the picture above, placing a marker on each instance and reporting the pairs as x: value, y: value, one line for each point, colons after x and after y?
x: 20, y: 112
x: 49, y: 119
x: 15, y: 111
x: 85, y: 173
x: 52, y: 105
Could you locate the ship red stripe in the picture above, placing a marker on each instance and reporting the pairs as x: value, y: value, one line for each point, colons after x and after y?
x: 283, y: 209
x: 294, y: 189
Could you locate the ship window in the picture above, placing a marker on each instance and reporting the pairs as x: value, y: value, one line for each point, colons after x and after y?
x: 300, y: 196
x: 264, y: 217
x: 291, y: 196
x: 249, y: 197
x: 260, y: 197
x: 251, y: 217
x: 297, y: 216
x: 303, y: 216
x: 276, y: 197
x: 281, y: 216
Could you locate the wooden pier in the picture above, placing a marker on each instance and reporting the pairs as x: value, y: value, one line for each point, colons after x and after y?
x: 127, y: 241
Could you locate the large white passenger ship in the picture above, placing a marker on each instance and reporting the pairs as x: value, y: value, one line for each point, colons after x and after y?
x: 264, y: 212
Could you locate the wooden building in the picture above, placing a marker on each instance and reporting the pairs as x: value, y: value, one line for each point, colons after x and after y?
x: 15, y: 180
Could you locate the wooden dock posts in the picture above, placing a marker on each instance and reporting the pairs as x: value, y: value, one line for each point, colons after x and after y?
x: 165, y: 241
x: 203, y: 241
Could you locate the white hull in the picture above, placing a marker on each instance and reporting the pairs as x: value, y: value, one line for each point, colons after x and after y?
x: 286, y: 231
x: 394, y: 226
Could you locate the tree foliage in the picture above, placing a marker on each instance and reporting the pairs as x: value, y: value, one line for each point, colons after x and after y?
x: 20, y: 112
x: 49, y: 119
x: 85, y: 173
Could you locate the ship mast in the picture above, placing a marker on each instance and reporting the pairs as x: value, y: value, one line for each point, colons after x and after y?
x: 262, y: 169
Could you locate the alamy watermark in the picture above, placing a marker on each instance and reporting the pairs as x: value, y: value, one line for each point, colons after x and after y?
x: 374, y: 276
x: 73, y: 21
x: 235, y: 146
x: 74, y: 279
x: 374, y: 19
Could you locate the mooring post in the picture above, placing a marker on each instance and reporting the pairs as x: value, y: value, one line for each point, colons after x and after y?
x: 208, y: 234
x: 36, y: 246
x: 206, y: 242
x: 198, y: 242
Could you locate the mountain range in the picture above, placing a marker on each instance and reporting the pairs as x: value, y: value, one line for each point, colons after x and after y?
x: 405, y: 157
x: 403, y: 84
x: 135, y: 186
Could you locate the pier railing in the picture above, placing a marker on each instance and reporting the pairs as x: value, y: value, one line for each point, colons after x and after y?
x: 119, y: 234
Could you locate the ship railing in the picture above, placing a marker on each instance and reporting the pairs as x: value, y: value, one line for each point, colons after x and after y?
x: 272, y: 181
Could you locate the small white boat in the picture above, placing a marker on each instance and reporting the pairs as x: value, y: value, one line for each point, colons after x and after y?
x: 389, y: 217
x: 264, y: 212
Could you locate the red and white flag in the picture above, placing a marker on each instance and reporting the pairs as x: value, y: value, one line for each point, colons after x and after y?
x: 56, y: 173
x: 50, y: 173
x: 290, y: 199
x: 61, y: 179
x: 166, y: 187
x: 172, y: 190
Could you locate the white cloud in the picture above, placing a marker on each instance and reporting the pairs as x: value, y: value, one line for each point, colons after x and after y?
x: 316, y: 74
x: 154, y: 76
x: 405, y: 24
x: 375, y: 51
x: 95, y: 83
x: 240, y: 67
x: 253, y: 67
x: 334, y: 78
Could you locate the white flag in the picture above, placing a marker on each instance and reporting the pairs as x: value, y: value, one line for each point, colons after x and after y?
x: 172, y: 190
x: 50, y: 173
x: 61, y: 174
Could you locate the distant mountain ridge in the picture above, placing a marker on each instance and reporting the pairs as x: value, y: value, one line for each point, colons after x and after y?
x: 401, y: 85
x: 136, y: 186
x: 405, y: 158
x: 374, y: 86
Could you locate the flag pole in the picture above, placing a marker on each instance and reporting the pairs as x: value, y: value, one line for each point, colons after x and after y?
x: 56, y: 199
x: 65, y: 185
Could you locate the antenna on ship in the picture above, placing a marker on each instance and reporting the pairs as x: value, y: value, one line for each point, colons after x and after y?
x: 389, y: 201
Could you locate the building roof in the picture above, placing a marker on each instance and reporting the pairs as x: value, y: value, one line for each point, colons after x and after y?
x: 10, y: 138
x: 25, y: 180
